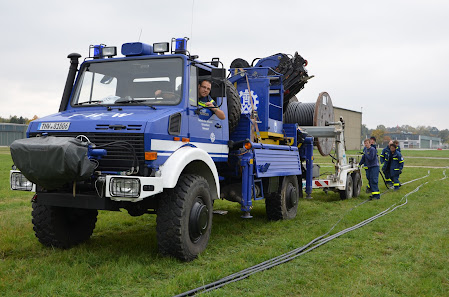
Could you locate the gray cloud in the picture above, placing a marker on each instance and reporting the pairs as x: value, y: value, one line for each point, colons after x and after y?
x: 389, y: 57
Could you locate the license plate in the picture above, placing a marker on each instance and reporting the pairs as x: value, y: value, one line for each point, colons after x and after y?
x: 54, y: 126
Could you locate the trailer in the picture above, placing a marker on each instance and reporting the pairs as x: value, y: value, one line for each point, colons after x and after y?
x: 132, y: 133
x: 346, y: 178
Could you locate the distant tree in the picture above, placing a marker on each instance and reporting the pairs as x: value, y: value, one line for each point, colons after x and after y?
x: 381, y: 127
x: 386, y: 139
x: 434, y: 131
x: 423, y: 130
x: 365, y: 131
x: 34, y: 118
x: 444, y: 135
x: 407, y: 128
x: 379, y: 134
x: 14, y: 120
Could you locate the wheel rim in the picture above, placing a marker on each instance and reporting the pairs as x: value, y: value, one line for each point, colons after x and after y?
x: 291, y: 197
x: 199, y: 220
x: 357, y: 184
x: 349, y: 188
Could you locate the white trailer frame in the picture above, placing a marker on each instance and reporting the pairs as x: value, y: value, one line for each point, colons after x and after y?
x: 338, y: 181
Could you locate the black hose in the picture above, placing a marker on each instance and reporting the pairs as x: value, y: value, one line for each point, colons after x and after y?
x: 385, y: 182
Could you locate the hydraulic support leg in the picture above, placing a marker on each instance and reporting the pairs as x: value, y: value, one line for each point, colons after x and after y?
x: 247, y: 184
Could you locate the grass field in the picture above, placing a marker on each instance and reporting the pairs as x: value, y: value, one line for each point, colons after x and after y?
x: 402, y: 254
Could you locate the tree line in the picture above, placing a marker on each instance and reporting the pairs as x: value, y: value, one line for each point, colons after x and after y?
x: 381, y: 132
x: 17, y: 120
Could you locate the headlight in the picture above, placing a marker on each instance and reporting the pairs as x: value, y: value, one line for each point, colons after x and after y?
x: 125, y: 187
x: 20, y: 183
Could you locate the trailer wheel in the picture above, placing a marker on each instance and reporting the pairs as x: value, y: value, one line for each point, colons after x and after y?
x: 357, y: 181
x: 284, y: 205
x: 347, y: 193
x: 234, y: 106
x: 62, y: 227
x: 184, y: 218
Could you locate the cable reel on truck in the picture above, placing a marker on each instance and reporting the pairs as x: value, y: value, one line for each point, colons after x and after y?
x: 313, y: 114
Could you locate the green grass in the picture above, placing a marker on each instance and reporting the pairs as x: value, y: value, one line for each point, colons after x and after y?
x: 401, y: 254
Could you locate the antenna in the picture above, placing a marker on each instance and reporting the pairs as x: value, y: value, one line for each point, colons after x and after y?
x: 140, y: 34
x: 191, y: 27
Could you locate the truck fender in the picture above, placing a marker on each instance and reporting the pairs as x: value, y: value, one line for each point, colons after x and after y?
x: 189, y: 159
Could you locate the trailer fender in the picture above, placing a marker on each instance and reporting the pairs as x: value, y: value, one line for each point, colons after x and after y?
x: 189, y: 159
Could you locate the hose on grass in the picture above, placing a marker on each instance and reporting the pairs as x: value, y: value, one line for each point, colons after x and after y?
x: 315, y: 243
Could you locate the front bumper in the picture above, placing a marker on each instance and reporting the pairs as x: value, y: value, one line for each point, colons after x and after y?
x: 114, y: 187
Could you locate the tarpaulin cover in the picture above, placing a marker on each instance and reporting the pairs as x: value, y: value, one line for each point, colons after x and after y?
x: 52, y: 161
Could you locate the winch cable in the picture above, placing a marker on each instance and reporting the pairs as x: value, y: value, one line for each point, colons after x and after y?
x: 315, y: 243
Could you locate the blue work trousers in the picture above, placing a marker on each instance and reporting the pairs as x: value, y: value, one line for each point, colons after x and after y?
x: 396, y: 182
x: 373, y: 180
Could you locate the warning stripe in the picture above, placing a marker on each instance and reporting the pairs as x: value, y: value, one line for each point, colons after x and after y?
x: 319, y: 184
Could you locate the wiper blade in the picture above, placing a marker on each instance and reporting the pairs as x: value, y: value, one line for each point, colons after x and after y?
x: 127, y: 99
x: 88, y: 102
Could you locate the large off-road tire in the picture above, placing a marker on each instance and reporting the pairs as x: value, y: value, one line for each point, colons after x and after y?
x: 357, y: 182
x: 62, y: 227
x: 348, y: 192
x: 284, y: 205
x: 184, y: 218
x: 234, y: 106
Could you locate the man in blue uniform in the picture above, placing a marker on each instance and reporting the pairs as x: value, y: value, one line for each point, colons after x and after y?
x: 205, y: 100
x: 384, y: 158
x: 396, y: 142
x: 373, y: 142
x: 369, y: 159
x: 396, y: 165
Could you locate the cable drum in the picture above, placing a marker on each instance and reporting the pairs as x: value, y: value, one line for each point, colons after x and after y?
x: 313, y: 114
x: 300, y: 113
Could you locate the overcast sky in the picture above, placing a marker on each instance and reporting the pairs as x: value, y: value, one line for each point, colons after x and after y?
x: 388, y: 59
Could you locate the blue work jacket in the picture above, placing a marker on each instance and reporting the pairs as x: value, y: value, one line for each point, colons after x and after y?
x: 369, y: 158
x: 396, y: 163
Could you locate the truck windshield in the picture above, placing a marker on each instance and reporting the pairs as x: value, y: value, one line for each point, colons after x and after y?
x: 146, y: 82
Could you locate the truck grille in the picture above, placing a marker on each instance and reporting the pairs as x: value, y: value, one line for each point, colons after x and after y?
x: 117, y: 158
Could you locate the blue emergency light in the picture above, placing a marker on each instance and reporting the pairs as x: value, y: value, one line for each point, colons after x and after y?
x: 97, y: 50
x: 181, y: 45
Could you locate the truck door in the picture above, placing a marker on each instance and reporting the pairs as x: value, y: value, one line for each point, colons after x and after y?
x: 206, y: 129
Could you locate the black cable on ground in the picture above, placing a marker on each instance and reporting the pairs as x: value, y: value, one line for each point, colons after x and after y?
x: 315, y: 243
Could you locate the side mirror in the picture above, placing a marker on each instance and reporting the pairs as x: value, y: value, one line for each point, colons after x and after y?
x: 218, y: 83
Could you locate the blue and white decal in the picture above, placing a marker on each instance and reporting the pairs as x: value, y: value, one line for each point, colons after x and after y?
x: 168, y: 147
x: 245, y: 98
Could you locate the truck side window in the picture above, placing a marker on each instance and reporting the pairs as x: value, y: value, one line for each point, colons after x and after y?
x: 193, y: 86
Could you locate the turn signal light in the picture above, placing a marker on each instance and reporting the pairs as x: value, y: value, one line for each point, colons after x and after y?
x: 248, y: 145
x: 150, y: 156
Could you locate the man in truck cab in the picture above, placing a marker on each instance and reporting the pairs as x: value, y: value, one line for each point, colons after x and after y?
x: 205, y: 100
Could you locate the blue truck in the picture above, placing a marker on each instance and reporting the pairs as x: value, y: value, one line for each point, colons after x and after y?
x: 131, y: 134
